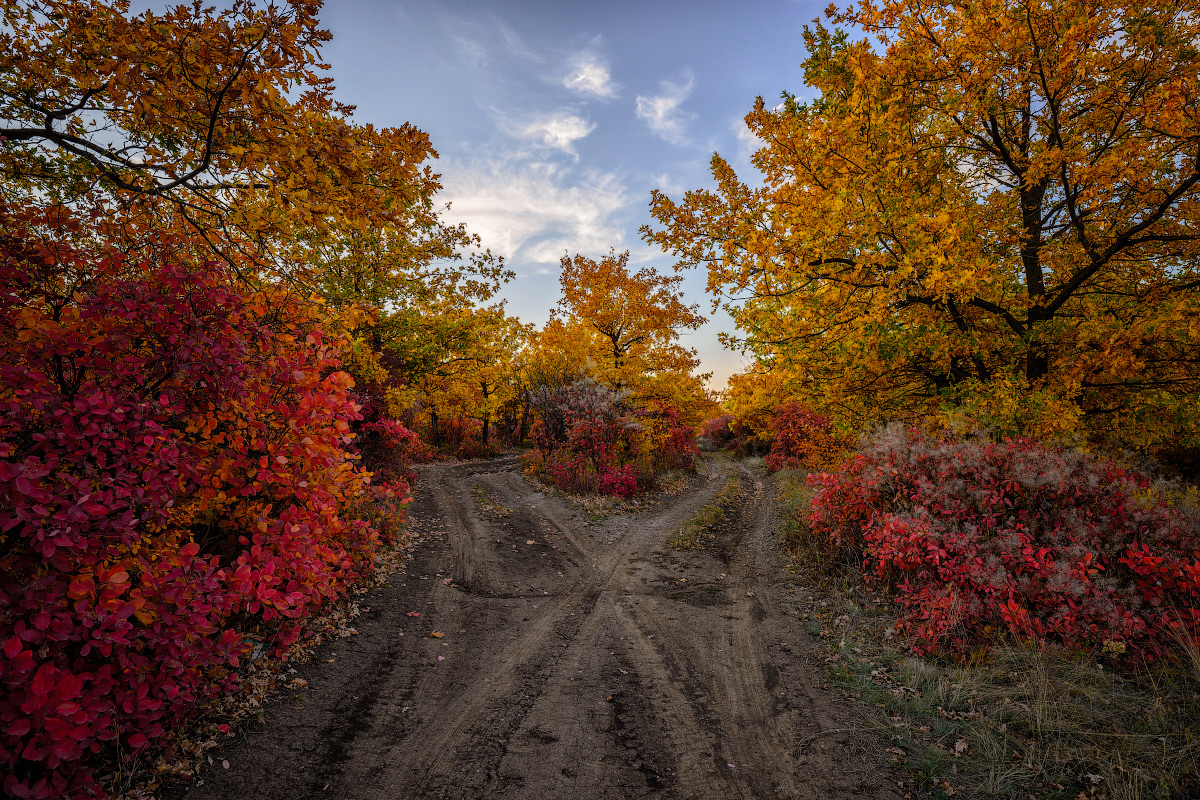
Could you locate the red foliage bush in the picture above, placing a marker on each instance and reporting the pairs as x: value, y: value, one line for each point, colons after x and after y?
x: 803, y: 439
x: 619, y: 481
x: 593, y: 439
x: 385, y: 446
x: 173, y: 485
x: 979, y: 538
x: 718, y: 431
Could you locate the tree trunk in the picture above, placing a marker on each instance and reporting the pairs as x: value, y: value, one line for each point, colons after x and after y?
x: 487, y: 415
x: 1037, y: 364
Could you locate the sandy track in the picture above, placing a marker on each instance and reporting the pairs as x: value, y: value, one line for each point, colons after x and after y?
x: 593, y: 663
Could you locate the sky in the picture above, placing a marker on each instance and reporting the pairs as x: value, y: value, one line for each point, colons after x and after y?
x: 554, y: 120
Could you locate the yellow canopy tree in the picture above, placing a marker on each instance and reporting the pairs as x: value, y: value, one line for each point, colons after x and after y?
x: 990, y: 213
x: 636, y: 315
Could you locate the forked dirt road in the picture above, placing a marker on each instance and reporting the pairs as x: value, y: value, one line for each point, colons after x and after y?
x: 578, y: 660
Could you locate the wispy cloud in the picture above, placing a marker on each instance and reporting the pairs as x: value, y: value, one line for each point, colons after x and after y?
x: 533, y: 211
x: 559, y: 130
x: 589, y: 77
x: 471, y: 52
x: 662, y: 112
x: 748, y: 141
x: 513, y: 42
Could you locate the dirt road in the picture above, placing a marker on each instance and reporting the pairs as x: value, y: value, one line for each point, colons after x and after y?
x: 577, y: 660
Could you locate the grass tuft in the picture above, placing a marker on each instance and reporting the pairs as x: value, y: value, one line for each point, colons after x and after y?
x: 487, y: 505
x: 698, y: 531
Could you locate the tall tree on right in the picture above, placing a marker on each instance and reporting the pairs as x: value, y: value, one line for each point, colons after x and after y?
x: 990, y: 212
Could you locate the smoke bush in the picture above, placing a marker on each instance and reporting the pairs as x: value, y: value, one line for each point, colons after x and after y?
x: 980, y: 539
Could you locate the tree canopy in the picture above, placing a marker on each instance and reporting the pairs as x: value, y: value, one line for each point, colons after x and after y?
x: 636, y: 315
x: 989, y: 212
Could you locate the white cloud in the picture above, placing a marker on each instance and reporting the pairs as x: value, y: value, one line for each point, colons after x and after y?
x: 532, y: 211
x: 589, y: 77
x: 559, y: 131
x: 663, y: 114
x: 471, y: 52
x: 748, y: 141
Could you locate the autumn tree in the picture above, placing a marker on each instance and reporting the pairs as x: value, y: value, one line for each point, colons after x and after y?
x: 637, y: 315
x: 214, y: 125
x: 990, y: 212
x: 498, y: 357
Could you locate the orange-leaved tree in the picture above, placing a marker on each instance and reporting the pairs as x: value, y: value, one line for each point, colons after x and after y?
x: 991, y: 213
x: 636, y: 315
x: 214, y: 124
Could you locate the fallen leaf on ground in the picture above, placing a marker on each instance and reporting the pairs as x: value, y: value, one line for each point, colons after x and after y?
x: 414, y: 614
x: 436, y: 634
x: 297, y: 683
x: 960, y: 747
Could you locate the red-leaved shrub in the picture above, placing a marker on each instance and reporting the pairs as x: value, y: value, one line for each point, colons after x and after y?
x: 174, y: 486
x: 803, y: 439
x: 979, y: 538
x: 590, y: 438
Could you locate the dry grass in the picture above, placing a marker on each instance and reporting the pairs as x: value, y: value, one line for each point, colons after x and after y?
x: 1015, y: 722
x: 698, y: 531
x: 487, y: 505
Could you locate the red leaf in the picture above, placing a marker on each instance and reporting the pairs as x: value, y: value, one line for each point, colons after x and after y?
x: 43, y: 682
x: 12, y: 648
x: 69, y: 687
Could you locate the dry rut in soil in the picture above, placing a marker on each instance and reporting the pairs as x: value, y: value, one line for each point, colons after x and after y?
x: 582, y: 661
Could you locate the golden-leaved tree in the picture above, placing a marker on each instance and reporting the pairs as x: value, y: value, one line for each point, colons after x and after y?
x: 218, y: 128
x: 635, y: 316
x: 988, y: 213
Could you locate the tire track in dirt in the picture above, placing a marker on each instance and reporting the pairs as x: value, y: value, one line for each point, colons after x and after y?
x: 578, y: 659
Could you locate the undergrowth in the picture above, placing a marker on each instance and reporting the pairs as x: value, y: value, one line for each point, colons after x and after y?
x: 1017, y: 721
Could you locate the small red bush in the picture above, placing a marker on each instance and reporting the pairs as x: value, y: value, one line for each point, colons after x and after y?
x: 803, y: 439
x: 979, y: 538
x: 590, y: 438
x: 619, y: 481
x: 718, y: 431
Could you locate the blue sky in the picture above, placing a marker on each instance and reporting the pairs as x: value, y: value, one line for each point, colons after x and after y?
x: 555, y: 120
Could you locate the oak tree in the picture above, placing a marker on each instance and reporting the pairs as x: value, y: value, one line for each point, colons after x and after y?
x: 216, y: 125
x: 990, y: 212
x: 637, y: 315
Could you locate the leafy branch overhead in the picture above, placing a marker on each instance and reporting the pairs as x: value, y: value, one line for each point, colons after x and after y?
x: 214, y: 122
